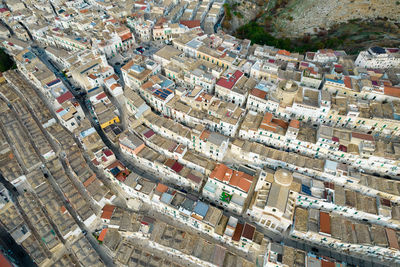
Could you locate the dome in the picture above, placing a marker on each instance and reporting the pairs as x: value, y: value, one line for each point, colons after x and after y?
x: 283, y: 177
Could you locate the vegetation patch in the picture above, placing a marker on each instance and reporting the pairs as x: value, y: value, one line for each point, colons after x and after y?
x: 352, y: 36
x: 6, y: 62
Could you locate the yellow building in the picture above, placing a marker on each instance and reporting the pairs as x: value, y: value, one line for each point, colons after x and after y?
x: 106, y: 119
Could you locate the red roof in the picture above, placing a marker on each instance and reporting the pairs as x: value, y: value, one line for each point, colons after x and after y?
x: 4, y: 262
x: 194, y: 178
x: 107, y: 212
x: 177, y: 167
x: 149, y: 134
x: 235, y: 178
x: 258, y: 93
x: 190, y: 23
x: 362, y: 136
x: 343, y: 148
x: 66, y: 96
x: 126, y: 36
x: 347, y: 82
x: 100, y: 96
x: 108, y: 152
x: 248, y: 231
x: 238, y: 232
x: 231, y: 81
x: 122, y: 175
x: 59, y: 110
x: 324, y: 222
x: 102, y: 234
x: 392, y: 91
x: 326, y: 263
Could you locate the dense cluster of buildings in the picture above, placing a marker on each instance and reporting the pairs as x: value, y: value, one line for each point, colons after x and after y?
x: 176, y: 144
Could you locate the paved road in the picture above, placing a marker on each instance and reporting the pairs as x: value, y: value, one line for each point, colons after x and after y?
x: 351, y: 259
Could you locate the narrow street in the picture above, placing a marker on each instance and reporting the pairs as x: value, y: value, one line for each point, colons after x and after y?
x: 97, y: 247
x: 80, y: 96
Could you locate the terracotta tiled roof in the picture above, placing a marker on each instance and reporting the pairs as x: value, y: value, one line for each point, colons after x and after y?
x: 107, y: 212
x: 294, y: 124
x: 392, y: 91
x: 258, y: 93
x: 283, y: 52
x: 101, y: 96
x: 161, y: 188
x: 102, y: 234
x: 238, y: 232
x: 324, y: 222
x: 190, y: 23
x: 347, y: 82
x: 234, y: 178
x: 90, y: 180
x: 362, y: 136
x: 231, y: 81
x: 204, y: 135
x: 248, y: 231
x: 64, y: 97
x: 126, y: 36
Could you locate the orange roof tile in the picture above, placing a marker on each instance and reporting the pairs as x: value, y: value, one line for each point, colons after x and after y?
x: 128, y: 65
x: 324, y: 222
x: 392, y: 91
x: 219, y: 172
x: 102, y: 234
x: 283, y: 52
x: 114, y: 76
x: 63, y: 209
x: 347, y: 82
x: 126, y: 36
x: 90, y: 180
x: 107, y: 211
x: 245, y: 183
x: 235, y: 178
x: 283, y: 124
x: 294, y: 124
x: 204, y: 135
x: 326, y: 263
x: 147, y: 85
x: 161, y: 188
x: 258, y: 93
x: 115, y: 85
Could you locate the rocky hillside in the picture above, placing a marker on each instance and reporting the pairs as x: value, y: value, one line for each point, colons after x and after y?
x: 309, y: 16
x: 292, y: 18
